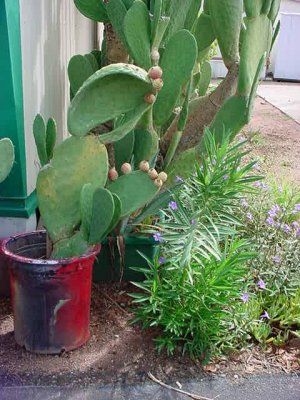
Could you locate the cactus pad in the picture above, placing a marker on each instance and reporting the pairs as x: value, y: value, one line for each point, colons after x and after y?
x: 257, y: 40
x: 93, y: 9
x: 205, y: 78
x: 79, y: 70
x: 123, y: 150
x: 7, y: 157
x: 204, y: 32
x: 51, y: 133
x: 39, y: 133
x: 117, y: 11
x: 75, y: 162
x: 137, y: 29
x: 177, y: 64
x: 134, y: 190
x: 145, y: 145
x: 110, y: 92
x: 226, y: 18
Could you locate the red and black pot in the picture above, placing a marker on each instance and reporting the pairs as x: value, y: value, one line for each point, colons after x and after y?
x: 50, y: 298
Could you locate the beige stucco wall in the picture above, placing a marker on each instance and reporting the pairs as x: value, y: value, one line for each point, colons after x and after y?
x: 51, y: 32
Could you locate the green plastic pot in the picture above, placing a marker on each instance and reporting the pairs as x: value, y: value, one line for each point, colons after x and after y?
x: 108, y: 266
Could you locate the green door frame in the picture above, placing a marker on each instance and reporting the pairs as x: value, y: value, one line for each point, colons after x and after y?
x: 14, y: 201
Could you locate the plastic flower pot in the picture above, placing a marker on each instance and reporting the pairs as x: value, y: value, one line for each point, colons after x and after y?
x: 4, y: 275
x: 50, y: 298
x: 108, y: 265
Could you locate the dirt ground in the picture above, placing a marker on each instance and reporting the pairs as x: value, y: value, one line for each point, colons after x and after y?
x: 275, y: 138
x: 120, y: 352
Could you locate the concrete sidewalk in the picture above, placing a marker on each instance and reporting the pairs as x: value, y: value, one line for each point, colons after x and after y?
x: 276, y: 387
x: 283, y: 95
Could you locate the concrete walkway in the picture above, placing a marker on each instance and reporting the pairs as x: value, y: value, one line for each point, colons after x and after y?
x: 278, y: 387
x: 283, y: 95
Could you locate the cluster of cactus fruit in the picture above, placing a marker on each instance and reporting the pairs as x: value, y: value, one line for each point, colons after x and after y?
x: 7, y: 157
x: 149, y: 111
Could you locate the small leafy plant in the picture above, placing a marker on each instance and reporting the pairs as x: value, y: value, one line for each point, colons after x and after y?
x: 272, y: 295
x: 202, y: 268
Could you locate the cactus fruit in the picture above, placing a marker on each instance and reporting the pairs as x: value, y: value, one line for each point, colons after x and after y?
x: 162, y: 176
x: 155, y: 72
x: 155, y: 56
x: 150, y: 98
x: 144, y: 166
x: 158, y: 183
x: 153, y: 173
x: 7, y: 157
x: 113, y: 174
x: 126, y: 168
x: 158, y: 84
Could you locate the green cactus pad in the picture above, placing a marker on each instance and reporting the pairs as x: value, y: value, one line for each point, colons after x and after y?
x: 192, y: 14
x: 253, y: 8
x: 274, y: 10
x: 123, y: 150
x: 129, y: 123
x: 182, y: 166
x: 74, y: 246
x: 204, y: 32
x: 137, y: 29
x: 116, y: 217
x: 205, y: 78
x: 156, y: 18
x: 177, y: 64
x: 145, y: 145
x: 50, y: 137
x: 86, y: 201
x: 256, y: 41
x: 251, y: 99
x: 98, y: 56
x: 134, y: 190
x: 128, y: 3
x: 39, y: 133
x: 75, y: 162
x: 117, y: 11
x: 226, y: 18
x: 103, y: 209
x: 231, y: 117
x: 7, y: 157
x: 93, y: 9
x: 178, y: 11
x: 93, y: 61
x: 79, y: 70
x: 110, y: 92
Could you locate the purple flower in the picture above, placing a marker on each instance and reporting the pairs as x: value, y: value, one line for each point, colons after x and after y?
x: 244, y: 203
x: 276, y: 259
x: 295, y: 224
x: 261, y: 284
x: 274, y: 210
x: 173, y: 205
x: 257, y: 184
x: 265, y: 315
x: 256, y: 166
x: 270, y: 221
x: 225, y: 177
x: 245, y: 297
x: 193, y: 221
x: 161, y: 260
x: 297, y: 208
x: 286, y: 228
x: 195, y: 173
x: 264, y: 186
x: 298, y: 231
x: 213, y: 161
x: 157, y: 237
x: 249, y: 216
x: 178, y: 179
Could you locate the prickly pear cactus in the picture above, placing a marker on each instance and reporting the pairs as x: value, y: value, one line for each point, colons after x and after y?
x: 7, y: 157
x: 163, y: 91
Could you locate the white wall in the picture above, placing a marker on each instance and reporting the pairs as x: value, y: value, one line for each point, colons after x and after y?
x: 287, y: 6
x: 51, y: 32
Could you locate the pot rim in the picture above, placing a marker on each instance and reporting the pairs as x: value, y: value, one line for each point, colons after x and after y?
x: 92, y: 252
